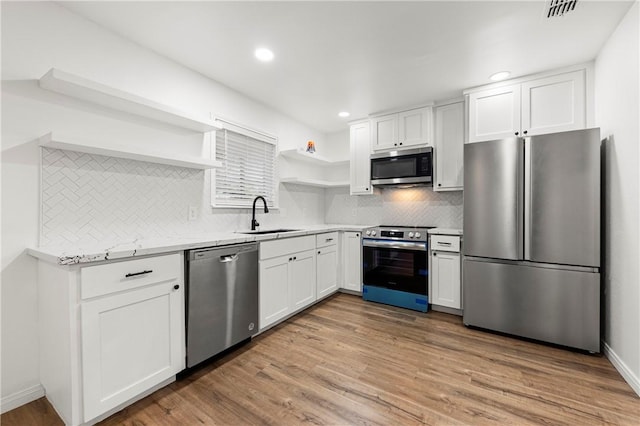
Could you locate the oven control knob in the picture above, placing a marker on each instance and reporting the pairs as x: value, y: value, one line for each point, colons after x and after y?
x: 373, y: 233
x: 368, y: 233
x: 410, y: 234
x: 417, y: 235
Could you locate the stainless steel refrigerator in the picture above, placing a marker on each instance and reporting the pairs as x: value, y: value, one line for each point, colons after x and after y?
x: 531, y: 263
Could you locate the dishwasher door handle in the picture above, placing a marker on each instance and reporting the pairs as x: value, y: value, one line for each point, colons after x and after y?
x: 229, y: 258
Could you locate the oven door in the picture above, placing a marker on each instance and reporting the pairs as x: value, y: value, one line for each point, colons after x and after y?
x: 395, y: 265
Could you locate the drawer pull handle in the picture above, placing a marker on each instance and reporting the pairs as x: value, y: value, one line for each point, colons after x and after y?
x: 328, y: 240
x: 134, y: 274
x: 443, y: 244
x: 228, y: 258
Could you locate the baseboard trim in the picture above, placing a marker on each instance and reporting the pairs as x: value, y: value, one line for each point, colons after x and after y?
x: 19, y: 398
x: 622, y: 368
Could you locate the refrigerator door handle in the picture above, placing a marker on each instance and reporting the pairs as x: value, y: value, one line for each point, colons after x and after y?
x: 527, y: 198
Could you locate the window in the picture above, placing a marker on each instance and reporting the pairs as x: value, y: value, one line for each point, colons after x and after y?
x: 248, y: 167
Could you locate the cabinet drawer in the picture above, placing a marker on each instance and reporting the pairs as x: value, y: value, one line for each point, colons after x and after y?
x: 445, y: 243
x: 113, y: 277
x: 281, y: 247
x: 328, y: 239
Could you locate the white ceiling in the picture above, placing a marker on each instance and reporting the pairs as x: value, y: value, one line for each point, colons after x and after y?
x: 362, y: 57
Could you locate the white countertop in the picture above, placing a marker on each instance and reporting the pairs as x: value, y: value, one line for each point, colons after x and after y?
x: 74, y: 255
x: 445, y: 231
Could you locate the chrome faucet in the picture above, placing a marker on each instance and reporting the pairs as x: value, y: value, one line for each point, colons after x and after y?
x: 254, y: 222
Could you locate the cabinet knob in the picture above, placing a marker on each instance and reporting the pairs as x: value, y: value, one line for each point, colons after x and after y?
x: 366, y: 189
x: 294, y: 258
x: 319, y: 252
x: 439, y: 184
x: 525, y: 132
x: 176, y: 287
x: 517, y: 133
x: 400, y: 143
x: 434, y: 254
x: 290, y: 259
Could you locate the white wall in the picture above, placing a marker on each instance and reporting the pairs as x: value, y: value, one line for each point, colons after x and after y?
x: 618, y: 114
x: 42, y: 35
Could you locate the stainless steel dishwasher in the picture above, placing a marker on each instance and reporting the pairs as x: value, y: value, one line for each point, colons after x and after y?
x: 222, y: 299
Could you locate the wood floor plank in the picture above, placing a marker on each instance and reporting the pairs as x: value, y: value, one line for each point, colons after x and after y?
x: 346, y: 361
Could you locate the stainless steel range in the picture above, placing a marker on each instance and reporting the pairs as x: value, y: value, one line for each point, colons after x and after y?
x: 395, y: 266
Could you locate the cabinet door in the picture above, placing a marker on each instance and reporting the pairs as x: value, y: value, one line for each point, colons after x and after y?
x: 302, y: 279
x: 445, y: 279
x: 385, y: 132
x: 414, y: 127
x: 449, y: 143
x: 131, y: 342
x: 494, y: 113
x: 327, y: 267
x: 352, y: 261
x: 554, y: 104
x: 360, y: 163
x: 274, y: 290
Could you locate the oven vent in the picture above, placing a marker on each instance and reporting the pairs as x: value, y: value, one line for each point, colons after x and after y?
x: 560, y: 7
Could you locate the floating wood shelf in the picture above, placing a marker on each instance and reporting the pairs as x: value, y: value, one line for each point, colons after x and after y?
x: 81, y: 88
x: 192, y: 162
x: 314, y: 182
x: 299, y: 154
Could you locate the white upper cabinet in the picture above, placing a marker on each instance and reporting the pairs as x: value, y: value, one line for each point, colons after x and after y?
x: 449, y: 143
x: 549, y: 104
x: 401, y: 130
x: 385, y: 131
x: 414, y: 127
x: 494, y: 113
x: 360, y: 166
x: 554, y: 104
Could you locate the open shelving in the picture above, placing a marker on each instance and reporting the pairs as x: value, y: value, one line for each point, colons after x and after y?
x: 314, y: 182
x: 91, y: 91
x: 301, y: 155
x: 193, y: 162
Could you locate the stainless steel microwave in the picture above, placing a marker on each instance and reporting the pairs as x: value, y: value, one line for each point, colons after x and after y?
x: 407, y: 167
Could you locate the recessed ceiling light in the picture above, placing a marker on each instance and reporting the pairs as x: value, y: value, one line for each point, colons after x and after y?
x: 343, y: 114
x: 263, y: 54
x: 500, y: 75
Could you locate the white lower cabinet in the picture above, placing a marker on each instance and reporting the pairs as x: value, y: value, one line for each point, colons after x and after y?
x: 109, y: 333
x: 327, y: 264
x: 445, y: 272
x: 302, y: 279
x: 130, y: 342
x: 274, y: 290
x: 445, y: 284
x: 287, y: 279
x: 352, y: 261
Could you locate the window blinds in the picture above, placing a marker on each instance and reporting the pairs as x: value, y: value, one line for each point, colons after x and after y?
x: 248, y: 170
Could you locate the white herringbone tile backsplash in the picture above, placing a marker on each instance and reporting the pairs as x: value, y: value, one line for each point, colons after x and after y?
x: 92, y: 198
x: 419, y: 206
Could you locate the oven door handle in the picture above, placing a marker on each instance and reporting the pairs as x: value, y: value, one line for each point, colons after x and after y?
x: 395, y: 244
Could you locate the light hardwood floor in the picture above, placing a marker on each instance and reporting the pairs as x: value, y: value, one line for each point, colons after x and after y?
x: 346, y: 361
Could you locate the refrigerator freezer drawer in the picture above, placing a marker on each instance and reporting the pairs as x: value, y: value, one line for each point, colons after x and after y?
x: 552, y: 305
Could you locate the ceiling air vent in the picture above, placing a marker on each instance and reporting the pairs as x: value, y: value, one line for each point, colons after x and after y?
x: 560, y: 7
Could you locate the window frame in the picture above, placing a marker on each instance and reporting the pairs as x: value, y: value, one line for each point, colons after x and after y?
x: 253, y: 134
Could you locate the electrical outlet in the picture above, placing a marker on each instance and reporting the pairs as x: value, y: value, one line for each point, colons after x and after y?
x: 193, y: 213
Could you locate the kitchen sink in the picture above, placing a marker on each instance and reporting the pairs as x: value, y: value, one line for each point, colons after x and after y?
x: 270, y: 231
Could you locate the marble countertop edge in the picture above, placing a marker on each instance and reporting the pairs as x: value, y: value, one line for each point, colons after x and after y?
x: 70, y: 255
